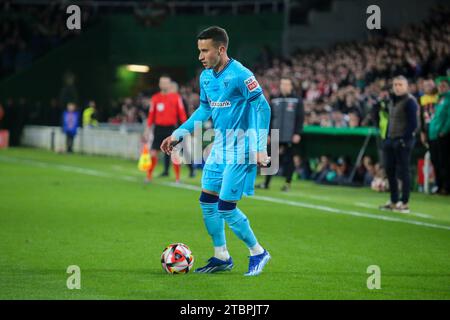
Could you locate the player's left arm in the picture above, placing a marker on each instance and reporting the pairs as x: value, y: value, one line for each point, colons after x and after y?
x: 253, y: 93
x: 263, y: 112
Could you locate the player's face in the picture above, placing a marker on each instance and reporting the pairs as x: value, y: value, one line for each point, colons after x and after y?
x: 209, y: 54
x: 400, y: 87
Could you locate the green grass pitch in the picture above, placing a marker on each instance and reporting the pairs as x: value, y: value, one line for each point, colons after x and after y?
x: 58, y: 210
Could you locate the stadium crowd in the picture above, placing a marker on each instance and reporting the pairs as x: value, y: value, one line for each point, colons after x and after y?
x: 28, y: 31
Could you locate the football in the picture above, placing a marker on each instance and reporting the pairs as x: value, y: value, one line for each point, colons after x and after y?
x: 177, y: 258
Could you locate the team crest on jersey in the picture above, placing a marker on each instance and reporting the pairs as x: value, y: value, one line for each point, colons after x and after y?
x: 251, y: 84
x: 160, y: 106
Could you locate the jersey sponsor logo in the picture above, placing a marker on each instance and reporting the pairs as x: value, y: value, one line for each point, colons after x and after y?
x: 251, y: 83
x: 220, y: 104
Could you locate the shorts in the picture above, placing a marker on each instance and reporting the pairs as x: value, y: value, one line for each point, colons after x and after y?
x: 230, y: 181
x: 160, y: 133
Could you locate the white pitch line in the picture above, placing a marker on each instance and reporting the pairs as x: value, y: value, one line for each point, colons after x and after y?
x: 102, y: 174
x: 323, y: 208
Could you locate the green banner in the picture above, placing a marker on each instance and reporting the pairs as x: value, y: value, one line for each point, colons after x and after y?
x: 358, y: 131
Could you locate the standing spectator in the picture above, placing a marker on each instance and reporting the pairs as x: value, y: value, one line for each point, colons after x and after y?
x: 90, y: 115
x: 430, y: 139
x: 165, y: 113
x: 71, y: 122
x: 287, y: 117
x: 427, y: 103
x: 439, y: 133
x: 399, y: 142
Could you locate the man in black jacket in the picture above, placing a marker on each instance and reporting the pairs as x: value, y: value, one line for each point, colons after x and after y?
x: 287, y: 117
x: 400, y: 139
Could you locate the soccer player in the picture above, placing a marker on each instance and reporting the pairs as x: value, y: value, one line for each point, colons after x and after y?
x: 165, y: 112
x: 231, y: 95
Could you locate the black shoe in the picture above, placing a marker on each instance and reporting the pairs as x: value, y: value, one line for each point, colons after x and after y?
x: 389, y: 206
x: 164, y: 174
x: 262, y: 186
x: 285, y: 188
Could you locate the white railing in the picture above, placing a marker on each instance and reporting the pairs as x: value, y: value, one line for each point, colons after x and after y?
x: 96, y: 141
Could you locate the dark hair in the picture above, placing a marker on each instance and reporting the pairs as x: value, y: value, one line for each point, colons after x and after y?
x: 217, y: 34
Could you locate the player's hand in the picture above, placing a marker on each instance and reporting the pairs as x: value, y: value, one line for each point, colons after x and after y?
x: 296, y: 138
x: 262, y: 159
x: 168, y: 144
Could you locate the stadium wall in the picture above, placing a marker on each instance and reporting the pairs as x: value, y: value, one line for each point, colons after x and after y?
x: 93, y: 141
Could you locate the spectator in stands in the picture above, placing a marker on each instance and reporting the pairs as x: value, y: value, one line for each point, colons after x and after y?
x: 353, y: 119
x: 321, y: 170
x: 365, y: 172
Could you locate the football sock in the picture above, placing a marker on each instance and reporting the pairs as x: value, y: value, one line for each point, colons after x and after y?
x: 221, y: 253
x: 256, y: 249
x: 166, y: 164
x: 152, y: 166
x: 238, y: 222
x: 213, y: 221
x: 176, y: 168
